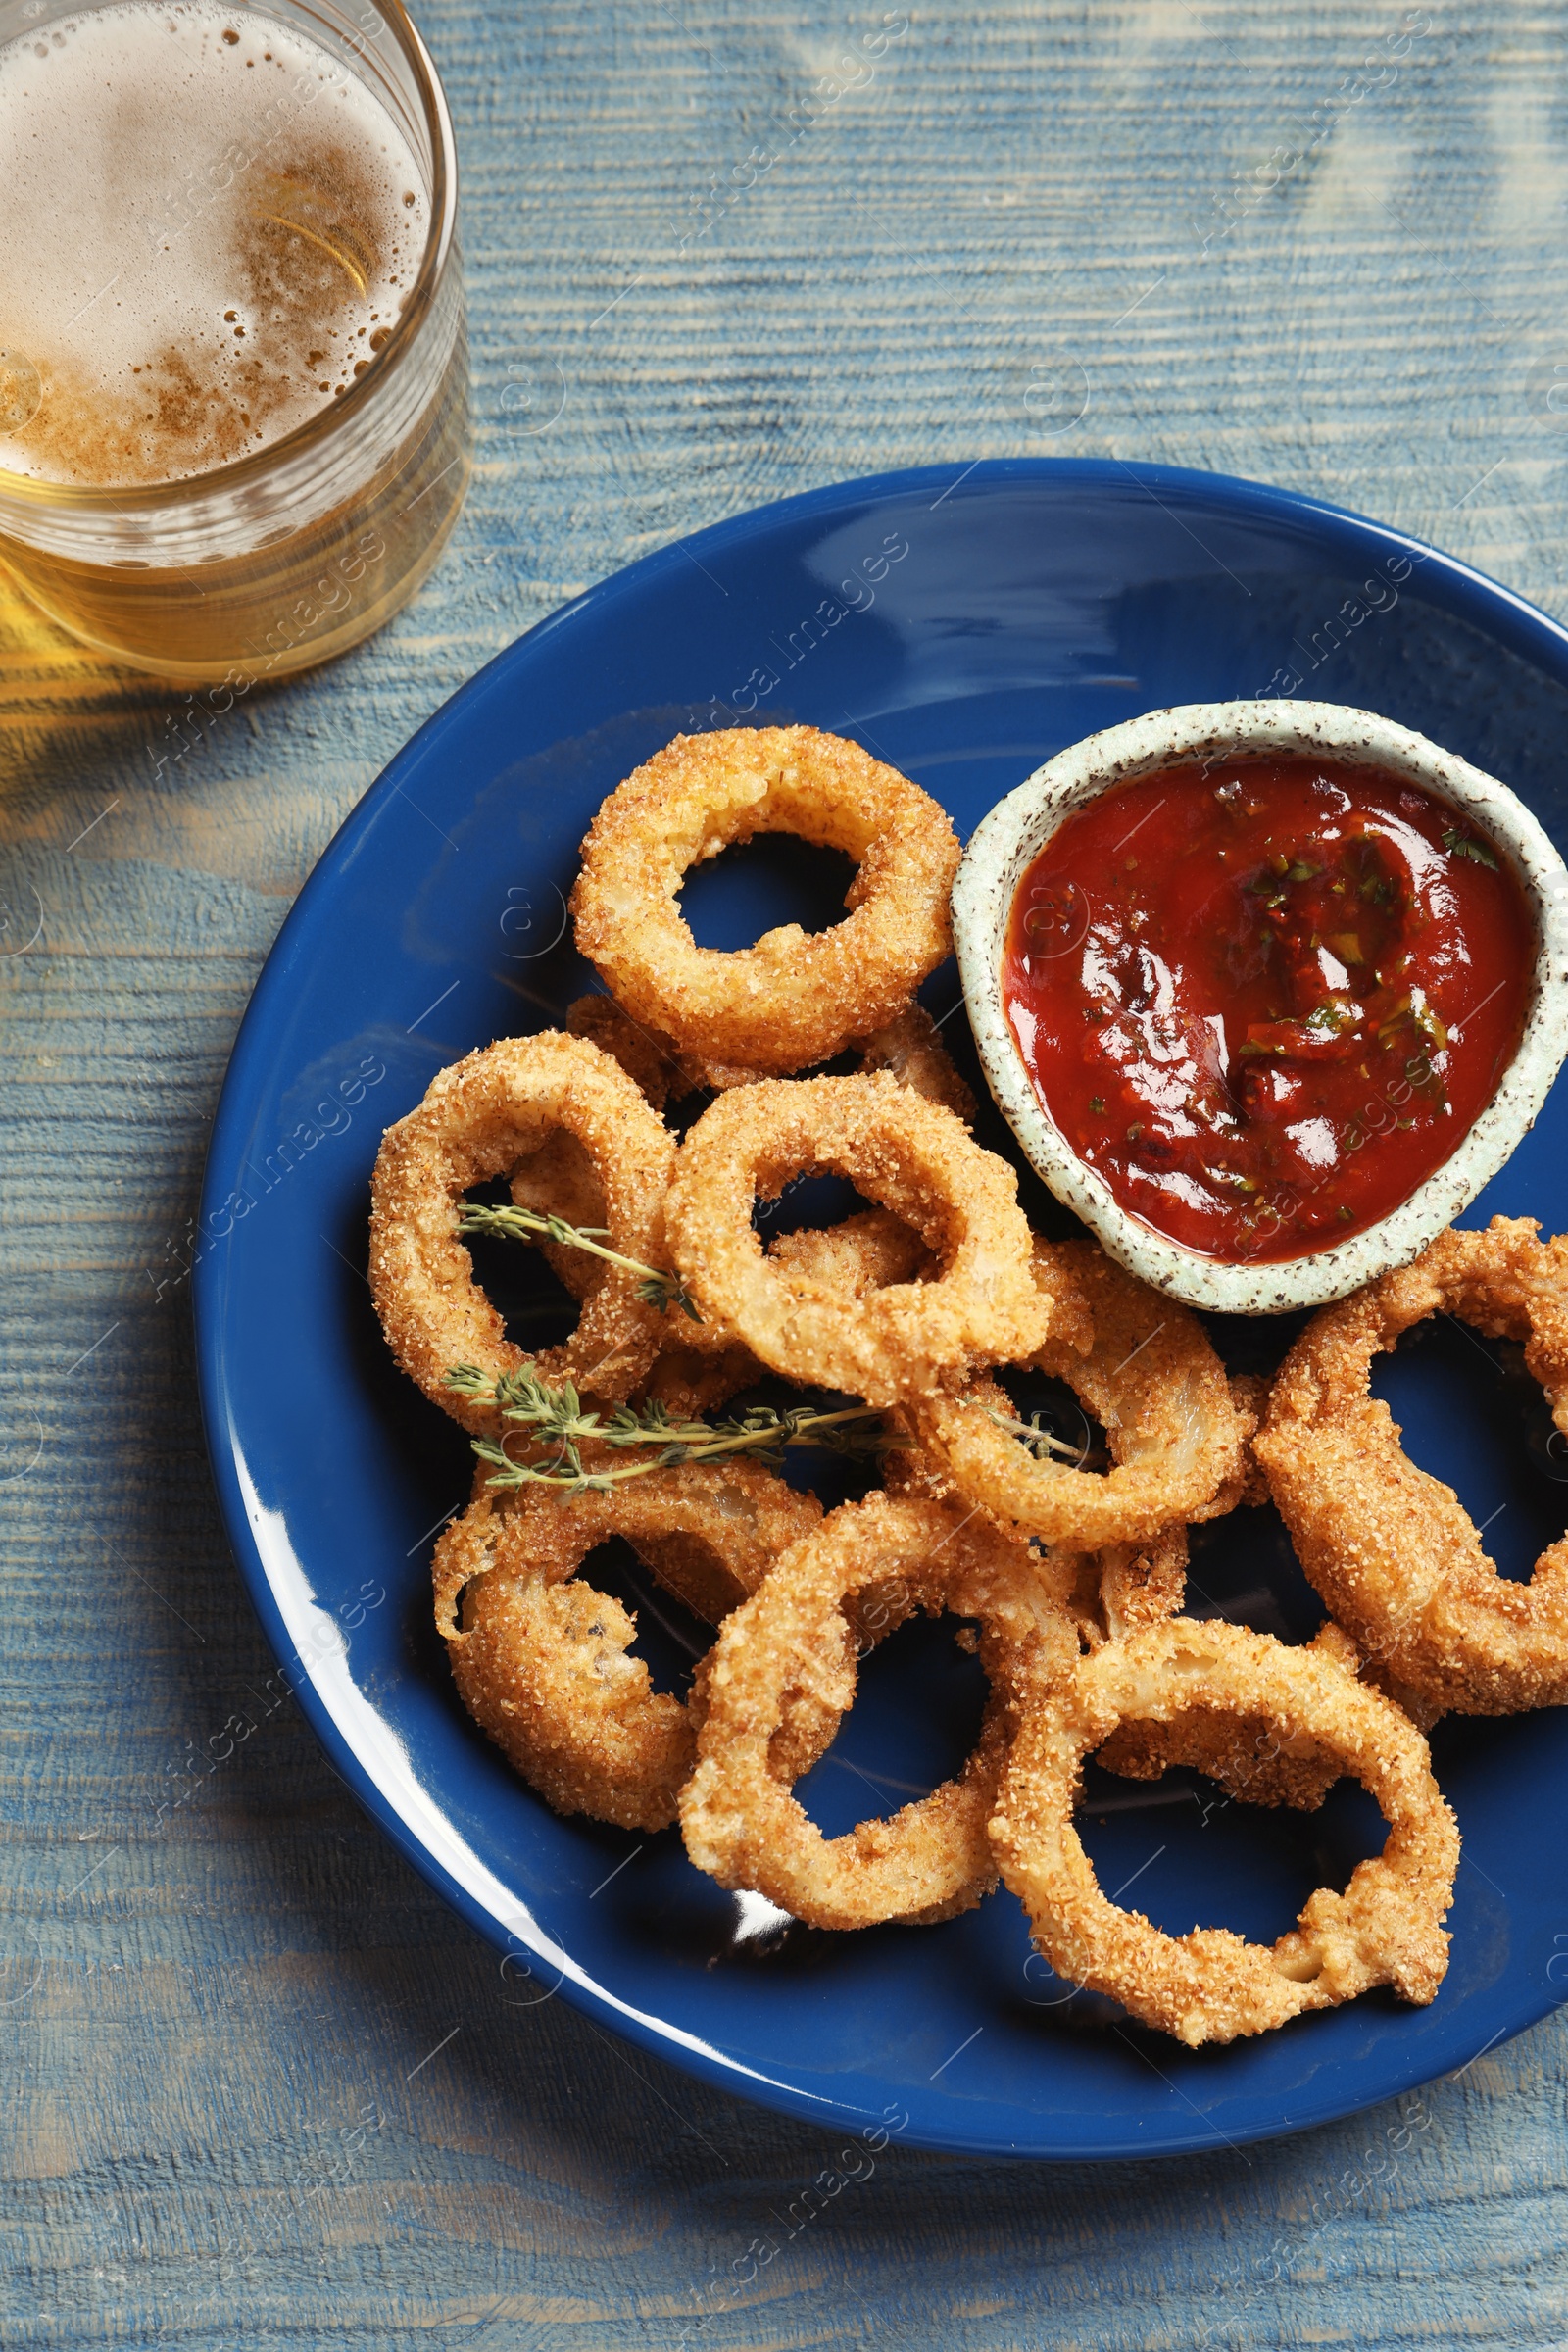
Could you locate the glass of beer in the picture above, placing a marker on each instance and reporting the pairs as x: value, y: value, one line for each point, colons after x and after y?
x: 234, y: 359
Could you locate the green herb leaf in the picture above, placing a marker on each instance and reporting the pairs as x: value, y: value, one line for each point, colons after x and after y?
x: 1465, y: 844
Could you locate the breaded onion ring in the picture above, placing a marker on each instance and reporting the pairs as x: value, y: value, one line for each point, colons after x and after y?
x: 559, y: 1179
x: 930, y: 1860
x: 910, y: 1046
x: 642, y: 1053
x: 1249, y: 1758
x: 905, y: 1153
x: 540, y: 1657
x: 699, y: 1371
x: 701, y: 1368
x: 481, y: 1118
x: 1212, y: 1986
x: 1123, y: 1587
x: 1107, y: 1593
x: 793, y: 999
x: 865, y: 1253
x: 560, y: 1176
x: 1392, y: 1552
x: 1144, y: 1366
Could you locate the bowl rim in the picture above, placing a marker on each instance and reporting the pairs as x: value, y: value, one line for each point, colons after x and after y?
x: 1011, y: 836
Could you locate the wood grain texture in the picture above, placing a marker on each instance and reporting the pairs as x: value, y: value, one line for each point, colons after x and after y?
x: 260, y: 2088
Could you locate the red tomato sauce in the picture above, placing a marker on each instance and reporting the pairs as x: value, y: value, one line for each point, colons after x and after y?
x: 1266, y: 999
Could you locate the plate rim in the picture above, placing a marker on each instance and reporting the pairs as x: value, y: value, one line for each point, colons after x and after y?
x: 1257, y: 501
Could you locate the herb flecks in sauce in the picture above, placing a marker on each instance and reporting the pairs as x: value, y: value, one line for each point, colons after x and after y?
x: 1268, y: 1018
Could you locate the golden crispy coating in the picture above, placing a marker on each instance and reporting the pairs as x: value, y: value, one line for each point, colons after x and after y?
x: 1392, y: 1552
x: 1116, y: 1591
x: 1144, y: 1366
x: 559, y: 1179
x: 1212, y: 1986
x: 1107, y: 1593
x: 908, y: 1156
x: 910, y: 1046
x: 701, y: 1367
x: 481, y: 1118
x: 1249, y: 1396
x: 793, y: 999
x: 698, y: 1371
x: 657, y: 1065
x: 540, y: 1657
x: 1249, y: 1759
x: 862, y: 1253
x: 930, y: 1860
x: 559, y: 1175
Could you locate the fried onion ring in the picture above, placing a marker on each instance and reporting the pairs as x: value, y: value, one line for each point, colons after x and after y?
x: 657, y: 1065
x: 480, y: 1118
x: 559, y: 1175
x: 540, y: 1658
x: 931, y: 1860
x: 1144, y: 1366
x: 793, y: 999
x: 1212, y: 1986
x: 699, y: 1371
x: 1245, y: 1754
x: 559, y: 1179
x: 911, y: 1048
x: 701, y: 1368
x: 865, y: 1253
x: 1393, y: 1552
x: 1107, y: 1593
x: 910, y: 1156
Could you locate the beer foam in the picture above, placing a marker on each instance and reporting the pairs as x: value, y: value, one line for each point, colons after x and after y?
x: 209, y: 225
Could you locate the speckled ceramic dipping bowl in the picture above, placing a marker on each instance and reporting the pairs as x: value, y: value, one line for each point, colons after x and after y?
x: 1006, y: 845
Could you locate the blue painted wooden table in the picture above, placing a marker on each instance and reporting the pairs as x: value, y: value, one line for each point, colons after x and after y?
x: 259, y: 2088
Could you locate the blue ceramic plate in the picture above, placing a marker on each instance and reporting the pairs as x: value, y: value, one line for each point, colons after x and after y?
x: 964, y: 627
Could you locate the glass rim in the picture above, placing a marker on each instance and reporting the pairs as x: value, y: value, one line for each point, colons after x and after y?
x: 323, y: 427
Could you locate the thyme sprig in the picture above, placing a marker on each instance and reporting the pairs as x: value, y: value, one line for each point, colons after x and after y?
x: 1040, y: 1441
x: 556, y: 1419
x: 658, y: 1287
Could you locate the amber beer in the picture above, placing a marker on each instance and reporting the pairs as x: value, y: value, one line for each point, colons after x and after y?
x: 234, y: 368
